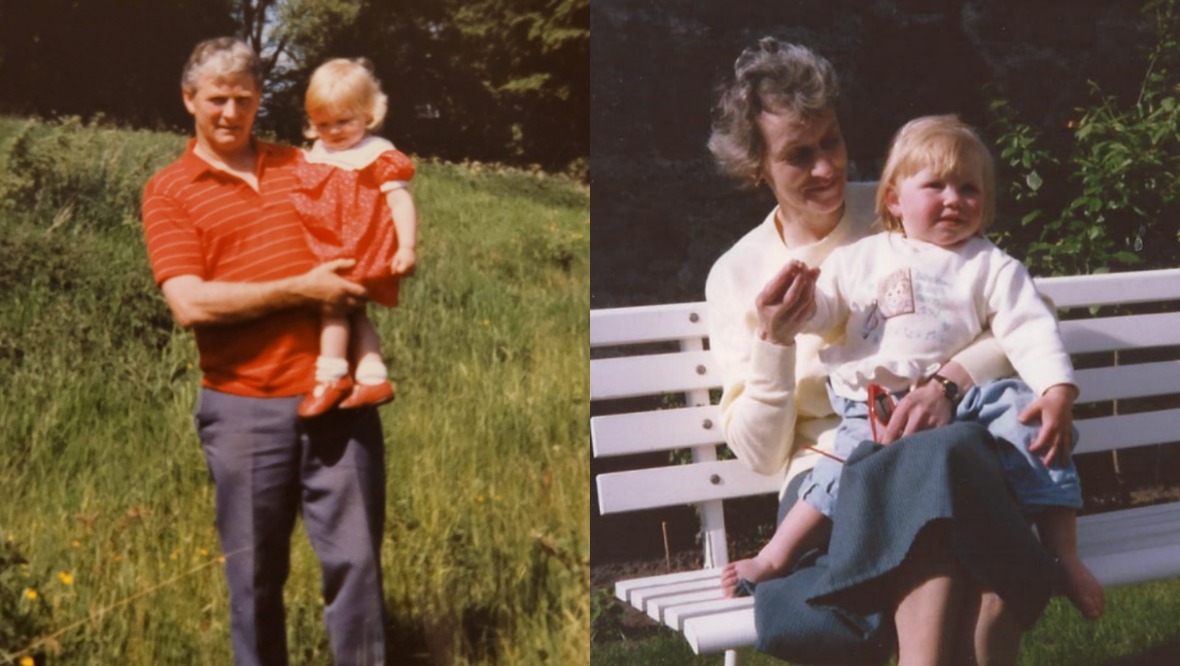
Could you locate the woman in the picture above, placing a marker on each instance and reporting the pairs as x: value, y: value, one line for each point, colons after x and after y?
x: 931, y: 575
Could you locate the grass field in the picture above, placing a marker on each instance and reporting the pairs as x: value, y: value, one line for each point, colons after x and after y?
x: 109, y: 553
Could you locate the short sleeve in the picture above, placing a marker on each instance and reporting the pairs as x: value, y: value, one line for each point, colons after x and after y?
x: 393, y: 169
x: 173, y: 243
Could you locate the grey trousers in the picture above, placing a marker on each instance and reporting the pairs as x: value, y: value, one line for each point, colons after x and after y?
x: 268, y: 465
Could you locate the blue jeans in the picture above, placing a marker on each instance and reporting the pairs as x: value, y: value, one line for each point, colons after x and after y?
x: 268, y: 466
x: 994, y: 405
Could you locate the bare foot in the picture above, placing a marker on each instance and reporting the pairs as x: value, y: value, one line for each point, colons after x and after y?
x: 754, y: 570
x: 1081, y: 588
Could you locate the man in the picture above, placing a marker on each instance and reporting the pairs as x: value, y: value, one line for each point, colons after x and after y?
x: 227, y: 250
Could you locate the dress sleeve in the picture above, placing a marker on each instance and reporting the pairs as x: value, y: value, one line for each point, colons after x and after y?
x: 393, y: 169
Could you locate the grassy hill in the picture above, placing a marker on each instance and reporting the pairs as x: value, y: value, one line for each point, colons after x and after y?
x: 108, y: 552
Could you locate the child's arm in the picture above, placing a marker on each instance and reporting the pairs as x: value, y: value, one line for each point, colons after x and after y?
x: 1055, y: 410
x: 405, y: 221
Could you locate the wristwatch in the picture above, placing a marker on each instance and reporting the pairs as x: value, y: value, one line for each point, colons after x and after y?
x: 949, y: 388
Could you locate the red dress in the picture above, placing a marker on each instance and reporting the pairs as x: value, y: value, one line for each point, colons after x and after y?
x: 345, y: 214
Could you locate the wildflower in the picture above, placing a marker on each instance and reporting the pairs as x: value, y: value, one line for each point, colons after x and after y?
x: 31, y: 594
x: 75, y: 543
x: 203, y: 552
x: 221, y: 559
x: 65, y: 578
x: 27, y: 661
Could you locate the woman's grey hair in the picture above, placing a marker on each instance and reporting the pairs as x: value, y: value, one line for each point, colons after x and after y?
x: 772, y: 75
x: 223, y: 56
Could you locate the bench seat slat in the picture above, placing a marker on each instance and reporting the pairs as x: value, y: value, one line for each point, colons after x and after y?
x: 677, y: 485
x: 656, y: 607
x: 648, y: 323
x: 1121, y: 548
x: 663, y: 430
x: 652, y: 374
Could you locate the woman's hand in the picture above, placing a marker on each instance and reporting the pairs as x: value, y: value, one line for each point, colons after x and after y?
x: 786, y: 303
x: 923, y: 408
x: 403, y: 261
x: 1055, y: 410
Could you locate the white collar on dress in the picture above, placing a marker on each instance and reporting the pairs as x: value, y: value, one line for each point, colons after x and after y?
x: 357, y: 157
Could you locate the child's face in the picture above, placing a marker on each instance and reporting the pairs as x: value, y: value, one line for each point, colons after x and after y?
x: 339, y: 130
x: 945, y: 210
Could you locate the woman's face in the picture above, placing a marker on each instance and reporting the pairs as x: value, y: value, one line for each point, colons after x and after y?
x: 805, y: 163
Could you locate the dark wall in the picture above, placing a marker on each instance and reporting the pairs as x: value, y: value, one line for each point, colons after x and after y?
x: 660, y: 213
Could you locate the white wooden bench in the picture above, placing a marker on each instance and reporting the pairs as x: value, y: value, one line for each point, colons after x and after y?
x: 1122, y: 546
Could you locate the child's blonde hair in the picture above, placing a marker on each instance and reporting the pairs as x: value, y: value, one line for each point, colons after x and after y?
x: 943, y: 144
x: 342, y: 86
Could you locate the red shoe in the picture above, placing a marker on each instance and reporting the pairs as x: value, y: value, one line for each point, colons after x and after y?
x: 329, y: 397
x: 364, y: 395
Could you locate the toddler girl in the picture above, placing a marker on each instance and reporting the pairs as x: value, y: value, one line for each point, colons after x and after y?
x: 915, y: 294
x: 352, y: 195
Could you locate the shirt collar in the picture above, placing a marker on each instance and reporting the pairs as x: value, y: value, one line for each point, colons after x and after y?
x: 196, y: 167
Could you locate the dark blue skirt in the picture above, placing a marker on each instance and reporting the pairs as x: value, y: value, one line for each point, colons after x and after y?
x: 836, y: 606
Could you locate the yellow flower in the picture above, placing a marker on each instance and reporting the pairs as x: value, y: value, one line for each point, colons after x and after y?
x: 485, y: 322
x: 30, y: 594
x: 65, y: 578
x: 75, y: 543
x: 27, y: 661
x: 221, y: 559
x: 203, y: 552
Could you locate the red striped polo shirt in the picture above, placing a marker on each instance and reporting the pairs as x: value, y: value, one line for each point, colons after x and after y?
x: 202, y: 221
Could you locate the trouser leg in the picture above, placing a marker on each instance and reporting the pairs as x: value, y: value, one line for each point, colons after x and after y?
x: 252, y: 448
x: 343, y: 479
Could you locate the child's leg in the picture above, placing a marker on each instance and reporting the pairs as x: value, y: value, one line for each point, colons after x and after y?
x: 804, y: 525
x: 331, y: 367
x: 1051, y: 494
x: 373, y: 386
x: 370, y: 368
x: 1058, y: 528
x: 802, y: 529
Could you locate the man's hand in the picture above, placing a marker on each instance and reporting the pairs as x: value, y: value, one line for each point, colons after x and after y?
x: 404, y: 261
x: 786, y: 303
x: 923, y: 408
x: 323, y: 285
x: 1055, y: 410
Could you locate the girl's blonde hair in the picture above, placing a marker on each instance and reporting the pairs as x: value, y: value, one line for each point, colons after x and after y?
x: 343, y: 86
x: 943, y: 144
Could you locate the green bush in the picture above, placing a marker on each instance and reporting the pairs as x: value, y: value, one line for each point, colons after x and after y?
x: 69, y: 174
x: 1106, y: 200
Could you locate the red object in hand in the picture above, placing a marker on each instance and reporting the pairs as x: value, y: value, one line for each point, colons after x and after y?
x: 880, y: 408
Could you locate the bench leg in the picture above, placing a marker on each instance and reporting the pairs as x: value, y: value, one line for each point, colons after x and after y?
x: 731, y: 658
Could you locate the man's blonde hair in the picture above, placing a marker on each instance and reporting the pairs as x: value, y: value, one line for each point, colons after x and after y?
x: 943, y: 144
x: 343, y: 86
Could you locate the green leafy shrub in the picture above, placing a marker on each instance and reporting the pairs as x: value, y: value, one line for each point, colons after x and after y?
x: 1108, y: 199
x: 69, y: 174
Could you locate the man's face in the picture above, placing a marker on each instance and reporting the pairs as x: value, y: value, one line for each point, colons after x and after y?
x: 223, y: 107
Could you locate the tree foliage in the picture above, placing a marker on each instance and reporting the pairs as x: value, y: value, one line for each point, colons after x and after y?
x: 1109, y: 198
x: 489, y: 80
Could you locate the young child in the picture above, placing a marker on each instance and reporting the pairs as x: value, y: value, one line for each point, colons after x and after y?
x: 912, y: 296
x: 352, y: 195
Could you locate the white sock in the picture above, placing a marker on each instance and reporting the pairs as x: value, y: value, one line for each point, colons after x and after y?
x: 328, y: 370
x: 371, y: 371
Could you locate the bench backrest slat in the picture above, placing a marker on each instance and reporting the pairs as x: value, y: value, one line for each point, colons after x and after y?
x: 652, y: 374
x: 1112, y: 288
x: 677, y: 485
x: 662, y: 430
x: 686, y: 376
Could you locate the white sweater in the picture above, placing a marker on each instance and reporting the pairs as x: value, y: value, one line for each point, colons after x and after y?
x: 901, y: 307
x: 774, y: 400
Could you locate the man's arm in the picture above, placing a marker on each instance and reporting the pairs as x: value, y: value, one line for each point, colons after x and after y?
x: 197, y: 302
